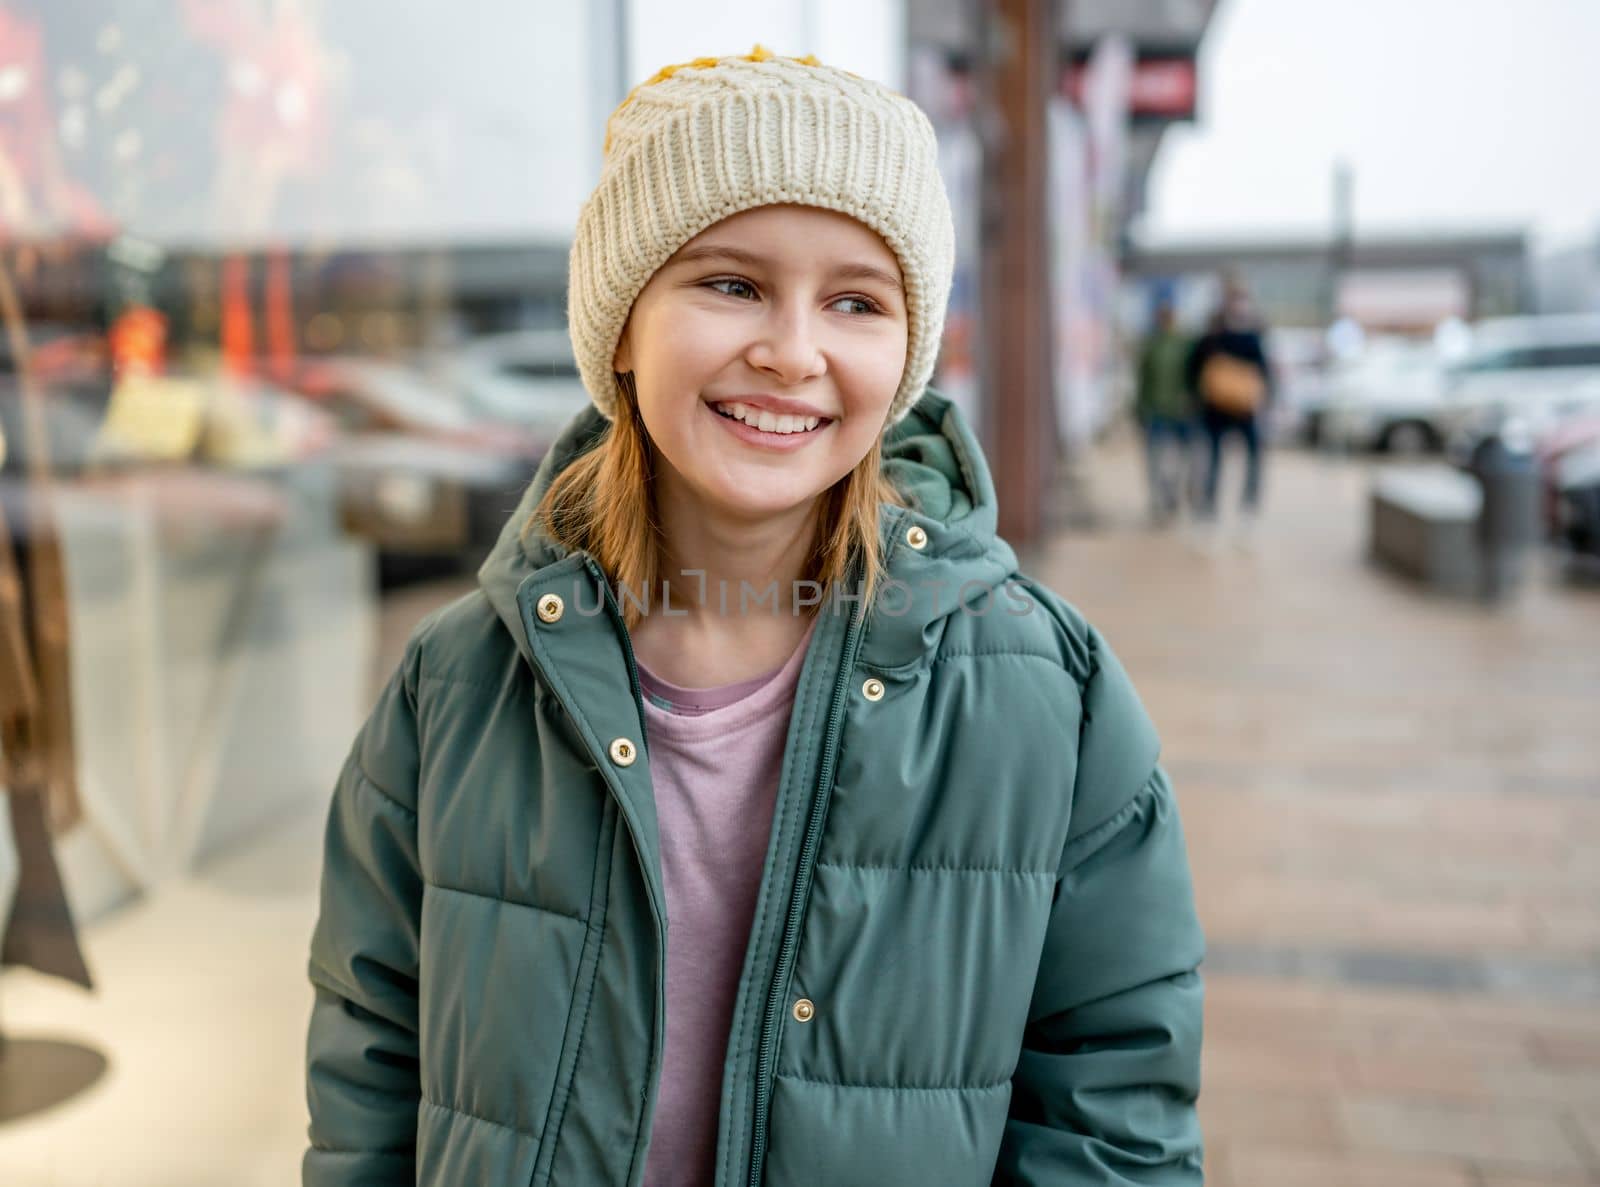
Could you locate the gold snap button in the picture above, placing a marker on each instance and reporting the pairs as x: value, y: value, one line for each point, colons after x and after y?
x: 916, y: 537
x: 873, y: 689
x: 804, y: 1011
x: 623, y: 752
x: 550, y: 607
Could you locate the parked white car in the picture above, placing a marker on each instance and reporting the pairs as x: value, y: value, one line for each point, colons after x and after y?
x: 523, y: 377
x: 1523, y: 374
x: 1390, y: 397
x: 1299, y: 358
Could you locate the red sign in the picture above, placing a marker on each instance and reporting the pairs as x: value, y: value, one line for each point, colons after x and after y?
x: 1161, y: 88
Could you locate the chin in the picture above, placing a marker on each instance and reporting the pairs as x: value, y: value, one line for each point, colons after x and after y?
x: 770, y: 499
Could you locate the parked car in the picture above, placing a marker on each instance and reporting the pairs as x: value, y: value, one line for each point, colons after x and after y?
x: 425, y: 473
x: 1522, y: 375
x: 524, y: 377
x: 1299, y: 358
x: 1389, y: 397
x: 1564, y: 454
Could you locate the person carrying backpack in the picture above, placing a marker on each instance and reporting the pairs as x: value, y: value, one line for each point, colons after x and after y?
x: 1232, y: 383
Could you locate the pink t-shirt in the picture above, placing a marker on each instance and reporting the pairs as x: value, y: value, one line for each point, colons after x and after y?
x: 714, y: 755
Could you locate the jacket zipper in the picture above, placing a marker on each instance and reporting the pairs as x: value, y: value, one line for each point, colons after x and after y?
x: 758, y: 1141
x: 638, y: 699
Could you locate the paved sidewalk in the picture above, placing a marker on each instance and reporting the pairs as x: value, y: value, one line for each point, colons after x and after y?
x: 1393, y: 812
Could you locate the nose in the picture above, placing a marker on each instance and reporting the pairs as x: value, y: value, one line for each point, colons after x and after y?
x: 786, y: 347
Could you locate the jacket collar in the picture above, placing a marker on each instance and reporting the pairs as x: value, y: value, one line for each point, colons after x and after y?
x: 931, y: 456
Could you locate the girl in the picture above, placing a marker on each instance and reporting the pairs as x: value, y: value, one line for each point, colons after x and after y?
x: 756, y: 821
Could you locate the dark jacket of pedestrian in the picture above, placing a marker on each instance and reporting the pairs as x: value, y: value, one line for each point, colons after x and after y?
x: 1243, y: 344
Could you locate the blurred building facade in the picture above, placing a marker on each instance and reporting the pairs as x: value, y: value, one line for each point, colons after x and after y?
x: 1402, y: 283
x: 1567, y: 279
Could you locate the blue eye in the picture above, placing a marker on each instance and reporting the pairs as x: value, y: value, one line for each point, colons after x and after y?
x: 731, y: 280
x: 868, y: 306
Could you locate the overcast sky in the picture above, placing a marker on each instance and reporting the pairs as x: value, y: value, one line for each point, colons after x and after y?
x: 1453, y: 113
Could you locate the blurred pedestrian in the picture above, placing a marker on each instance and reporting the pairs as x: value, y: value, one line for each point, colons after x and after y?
x: 870, y: 883
x: 1165, y: 410
x: 1232, y: 383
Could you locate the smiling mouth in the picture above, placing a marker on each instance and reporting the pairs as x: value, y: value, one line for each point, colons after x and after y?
x: 768, y: 422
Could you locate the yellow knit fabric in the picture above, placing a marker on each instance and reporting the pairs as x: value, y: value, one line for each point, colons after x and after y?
x: 702, y: 140
x: 759, y: 54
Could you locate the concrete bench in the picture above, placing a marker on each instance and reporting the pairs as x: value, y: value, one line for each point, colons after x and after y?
x: 1425, y: 525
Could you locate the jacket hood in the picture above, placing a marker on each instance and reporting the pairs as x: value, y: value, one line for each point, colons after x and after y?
x: 931, y: 456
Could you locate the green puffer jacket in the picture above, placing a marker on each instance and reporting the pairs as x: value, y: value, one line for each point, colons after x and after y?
x: 977, y: 878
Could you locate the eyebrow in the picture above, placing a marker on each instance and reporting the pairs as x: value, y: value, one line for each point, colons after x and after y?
x: 750, y: 259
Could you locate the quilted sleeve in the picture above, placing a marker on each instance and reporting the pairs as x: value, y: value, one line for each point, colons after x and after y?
x: 362, y: 1071
x: 1109, y: 1074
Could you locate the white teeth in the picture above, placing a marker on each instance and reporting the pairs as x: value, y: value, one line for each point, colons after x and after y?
x: 769, y: 422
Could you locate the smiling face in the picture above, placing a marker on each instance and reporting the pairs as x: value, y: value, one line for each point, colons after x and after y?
x: 765, y: 355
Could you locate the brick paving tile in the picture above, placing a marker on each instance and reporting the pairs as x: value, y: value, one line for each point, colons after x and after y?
x: 1569, y: 927
x: 1259, y: 1167
x: 1390, y: 1061
x: 1292, y: 1118
x: 1217, y: 1171
x: 1521, y: 1018
x: 1427, y: 822
x: 1576, y: 1088
x: 1303, y: 1063
x: 1421, y: 1072
x: 1262, y: 907
x: 1353, y: 1031
x: 1399, y: 1015
x: 1564, y: 1049
x: 1584, y: 1128
x: 1490, y: 1135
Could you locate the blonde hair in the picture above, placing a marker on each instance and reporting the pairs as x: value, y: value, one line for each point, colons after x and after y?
x: 603, y: 503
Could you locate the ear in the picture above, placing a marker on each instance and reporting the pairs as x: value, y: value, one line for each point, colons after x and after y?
x: 622, y: 358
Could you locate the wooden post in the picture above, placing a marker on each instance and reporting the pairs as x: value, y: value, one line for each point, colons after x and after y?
x: 1017, y: 65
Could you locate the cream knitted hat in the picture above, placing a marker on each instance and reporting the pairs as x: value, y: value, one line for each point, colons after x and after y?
x: 709, y: 138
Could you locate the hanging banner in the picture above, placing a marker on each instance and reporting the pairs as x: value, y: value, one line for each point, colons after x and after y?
x: 1087, y: 166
